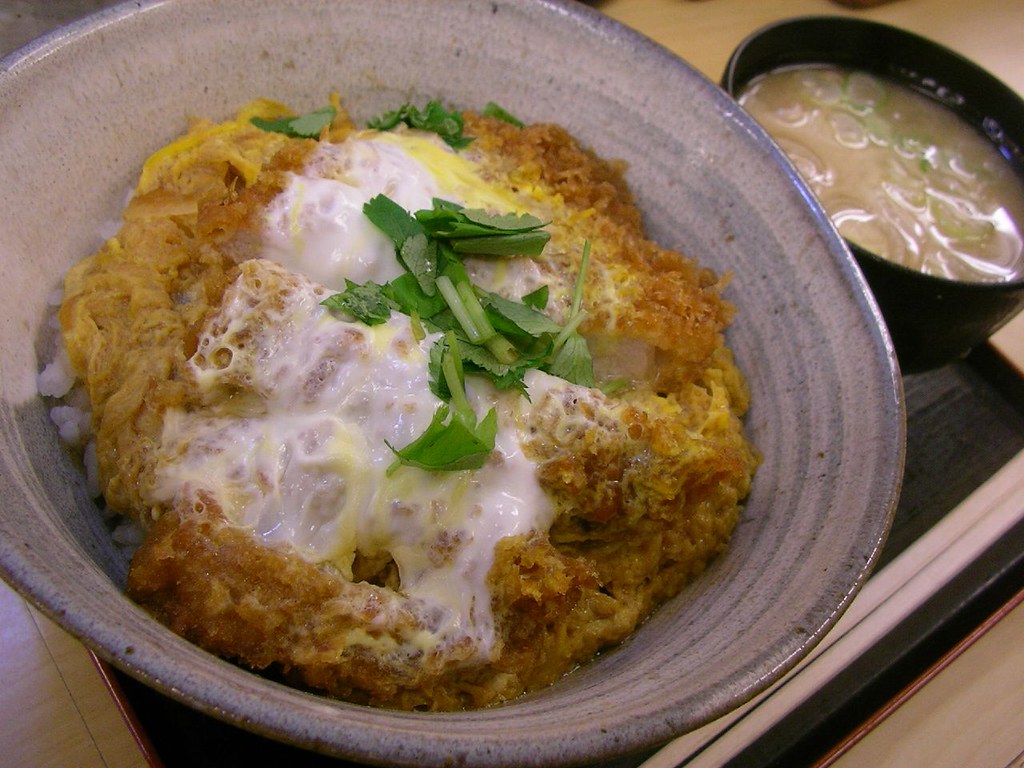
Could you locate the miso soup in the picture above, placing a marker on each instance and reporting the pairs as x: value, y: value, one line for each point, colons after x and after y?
x: 899, y: 174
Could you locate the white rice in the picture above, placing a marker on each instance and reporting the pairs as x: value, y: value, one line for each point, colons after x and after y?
x: 72, y: 423
x: 57, y: 378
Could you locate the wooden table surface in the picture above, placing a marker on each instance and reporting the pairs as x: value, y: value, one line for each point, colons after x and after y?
x: 56, y: 711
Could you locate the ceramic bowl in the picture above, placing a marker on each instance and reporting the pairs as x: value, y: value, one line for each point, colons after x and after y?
x: 84, y: 106
x: 933, y: 320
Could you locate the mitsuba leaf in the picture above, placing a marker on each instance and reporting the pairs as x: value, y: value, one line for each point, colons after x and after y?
x: 508, y: 376
x: 392, y: 219
x: 449, y: 263
x: 477, y: 232
x: 573, y: 362
x: 406, y: 293
x: 419, y: 256
x: 307, y: 126
x: 509, y: 222
x: 439, y: 383
x: 453, y: 441
x: 511, y: 244
x: 483, y: 333
x: 492, y: 109
x: 450, y: 221
x: 517, y: 317
x: 537, y: 299
x: 367, y: 302
x: 433, y: 118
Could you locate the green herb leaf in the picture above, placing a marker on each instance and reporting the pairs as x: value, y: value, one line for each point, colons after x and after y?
x: 406, y: 293
x: 507, y: 376
x: 515, y: 244
x: 447, y: 378
x: 367, y: 302
x: 308, y: 126
x: 494, y: 110
x: 433, y: 118
x: 392, y: 219
x: 571, y: 359
x: 451, y: 221
x: 450, y: 263
x: 516, y: 222
x: 518, y: 318
x: 573, y: 362
x: 419, y: 256
x: 537, y: 299
x: 453, y: 440
x: 477, y: 232
x: 414, y: 251
x: 484, y: 333
x: 450, y: 444
x: 438, y: 382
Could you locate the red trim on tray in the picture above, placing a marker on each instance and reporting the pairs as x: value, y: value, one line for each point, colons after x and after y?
x: 914, y: 687
x: 131, y: 719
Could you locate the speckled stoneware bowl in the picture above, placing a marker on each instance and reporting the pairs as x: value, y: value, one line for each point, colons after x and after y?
x: 82, y: 108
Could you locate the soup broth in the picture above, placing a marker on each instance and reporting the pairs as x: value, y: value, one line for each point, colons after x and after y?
x: 899, y: 174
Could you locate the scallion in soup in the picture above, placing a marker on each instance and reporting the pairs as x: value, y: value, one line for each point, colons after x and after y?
x: 900, y: 175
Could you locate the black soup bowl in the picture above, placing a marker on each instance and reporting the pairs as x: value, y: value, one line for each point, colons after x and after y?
x: 933, y: 320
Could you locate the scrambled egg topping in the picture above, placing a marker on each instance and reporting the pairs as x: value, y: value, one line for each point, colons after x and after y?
x: 247, y: 428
